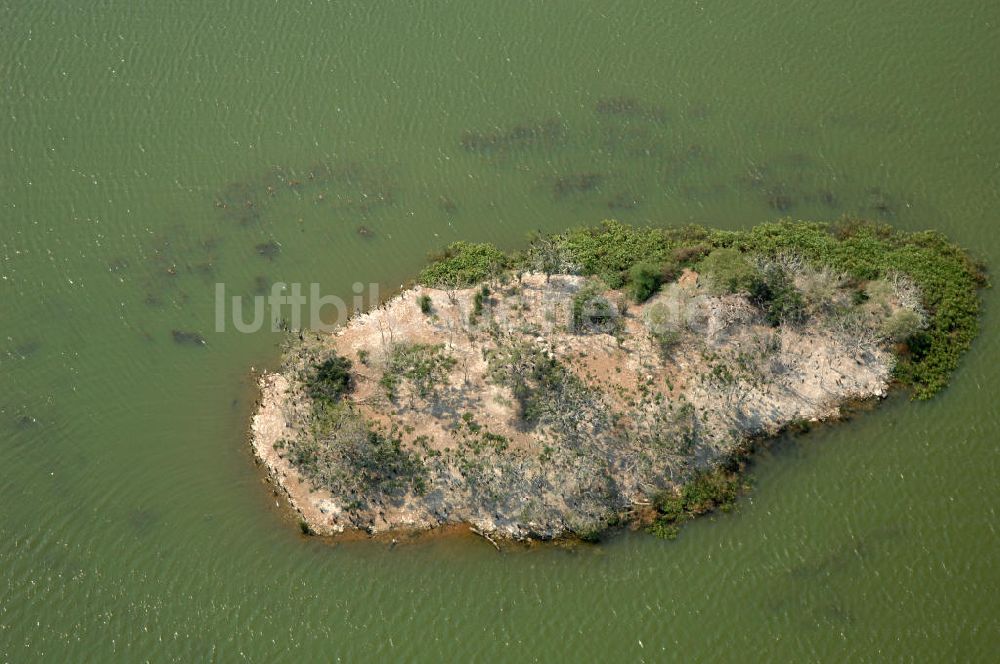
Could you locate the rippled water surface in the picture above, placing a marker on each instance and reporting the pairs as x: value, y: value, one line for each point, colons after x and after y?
x: 151, y: 149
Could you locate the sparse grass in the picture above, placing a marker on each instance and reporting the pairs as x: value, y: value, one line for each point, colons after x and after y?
x: 424, y: 366
x: 342, y: 454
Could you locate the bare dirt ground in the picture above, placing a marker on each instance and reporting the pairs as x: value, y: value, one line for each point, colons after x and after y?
x: 527, y: 425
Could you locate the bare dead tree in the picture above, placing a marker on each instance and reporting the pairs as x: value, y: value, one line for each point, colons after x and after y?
x: 385, y: 345
x: 450, y: 289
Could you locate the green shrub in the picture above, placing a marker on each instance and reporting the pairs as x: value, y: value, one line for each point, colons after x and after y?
x: 645, y: 279
x: 776, y: 295
x: 592, y: 312
x: 665, y: 528
x: 726, y: 270
x: 330, y: 380
x: 665, y: 332
x: 546, y: 375
x: 609, y: 251
x: 426, y: 304
x: 902, y: 325
x: 478, y: 300
x: 879, y: 295
x: 544, y: 254
x: 686, y: 256
x: 590, y: 534
x: 464, y: 264
x: 708, y: 491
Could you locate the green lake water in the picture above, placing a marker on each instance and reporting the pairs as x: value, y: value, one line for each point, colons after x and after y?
x: 133, y: 522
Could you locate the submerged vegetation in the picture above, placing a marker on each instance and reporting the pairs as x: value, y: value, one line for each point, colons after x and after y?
x: 715, y: 489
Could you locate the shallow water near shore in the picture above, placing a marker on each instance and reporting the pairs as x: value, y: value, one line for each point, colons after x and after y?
x: 153, y: 150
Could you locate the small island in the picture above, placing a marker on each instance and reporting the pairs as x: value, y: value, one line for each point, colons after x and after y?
x: 606, y: 376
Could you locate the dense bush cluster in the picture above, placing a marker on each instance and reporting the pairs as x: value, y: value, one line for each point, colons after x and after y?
x: 707, y: 492
x: 330, y: 380
x: 640, y: 259
x: 946, y: 275
x: 464, y: 264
